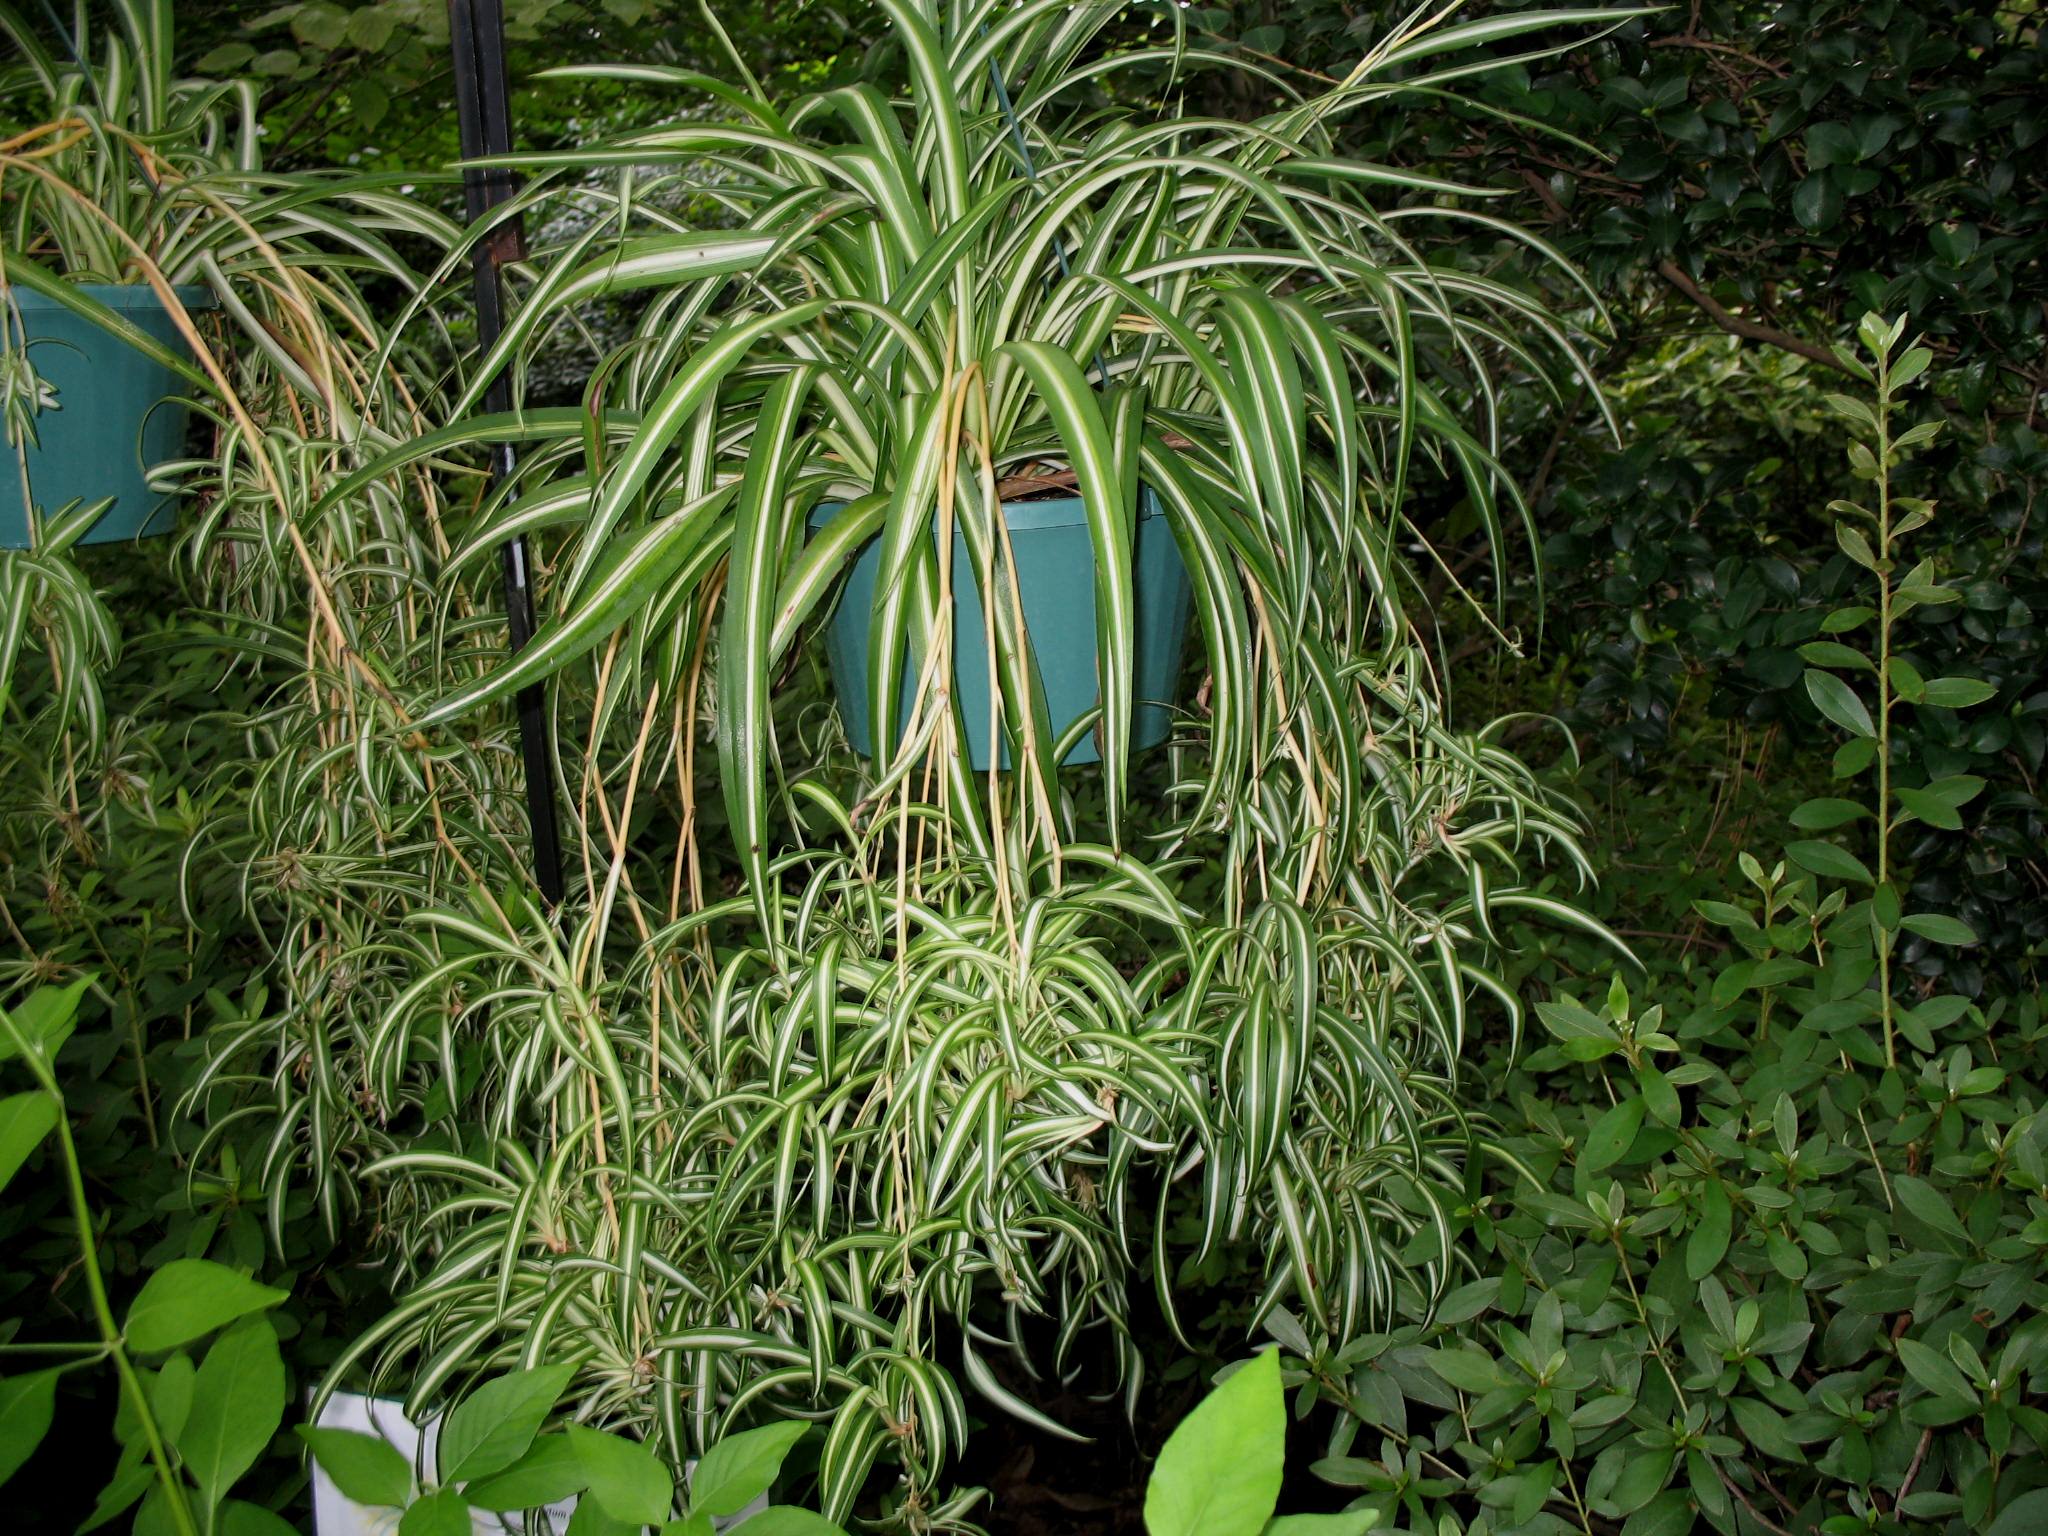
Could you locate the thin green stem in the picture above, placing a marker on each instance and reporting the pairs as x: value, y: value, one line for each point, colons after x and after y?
x: 1884, y: 697
x: 95, y: 1283
x: 1564, y: 1465
x: 1643, y: 1317
x: 75, y: 1347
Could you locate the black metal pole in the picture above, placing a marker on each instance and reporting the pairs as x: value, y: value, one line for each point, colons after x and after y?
x: 482, y: 104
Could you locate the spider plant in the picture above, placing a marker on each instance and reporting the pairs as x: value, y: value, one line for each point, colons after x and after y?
x: 128, y: 178
x: 862, y: 1079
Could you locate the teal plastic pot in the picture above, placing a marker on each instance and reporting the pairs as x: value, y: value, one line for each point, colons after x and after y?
x: 1055, y: 564
x: 118, y: 415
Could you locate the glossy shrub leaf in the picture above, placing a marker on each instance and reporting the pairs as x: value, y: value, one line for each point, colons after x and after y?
x: 1922, y: 1200
x: 740, y: 1468
x: 1709, y: 1239
x: 1827, y: 859
x: 368, y: 1469
x: 2024, y: 1515
x: 237, y: 1406
x: 1469, y: 1370
x: 188, y: 1298
x: 1957, y: 692
x: 1668, y: 1514
x: 1927, y: 1367
x: 1612, y: 1134
x: 1817, y: 201
x: 1219, y: 1472
x: 1932, y: 809
x: 1832, y: 653
x: 1939, y: 929
x: 623, y: 1475
x: 1659, y: 1097
x: 1824, y: 815
x: 493, y: 1426
x: 1852, y: 757
x: 27, y: 1403
x: 1837, y: 700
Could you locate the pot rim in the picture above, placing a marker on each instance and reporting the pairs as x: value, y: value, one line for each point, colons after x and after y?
x: 1024, y: 516
x: 121, y: 297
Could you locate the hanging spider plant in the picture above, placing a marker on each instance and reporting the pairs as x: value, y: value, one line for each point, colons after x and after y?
x: 880, y: 1073
x: 134, y: 200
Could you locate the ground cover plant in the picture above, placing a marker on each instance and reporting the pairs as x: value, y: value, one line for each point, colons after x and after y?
x: 1621, y: 1123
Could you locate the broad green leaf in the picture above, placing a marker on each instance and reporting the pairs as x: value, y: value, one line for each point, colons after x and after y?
x: 1957, y: 692
x: 1612, y: 1135
x: 1827, y: 859
x: 1355, y: 1522
x: 2026, y: 1515
x: 1927, y: 1203
x: 238, y: 1517
x: 1219, y: 1472
x: 1853, y: 756
x: 1469, y: 1370
x: 1939, y: 929
x: 1906, y: 680
x: 1816, y: 203
x: 1832, y: 653
x: 1466, y: 1302
x: 592, y: 1519
x: 627, y: 1478
x: 1727, y: 914
x: 191, y: 1297
x: 1837, y: 700
x: 492, y: 1427
x: 1669, y: 1514
x: 237, y: 1407
x: 1955, y: 789
x: 47, y: 1015
x: 1643, y: 1476
x: 740, y: 1468
x: 27, y: 1404
x: 1709, y: 1238
x: 1764, y: 1428
x: 1825, y: 814
x: 549, y: 1472
x: 444, y: 1513
x: 25, y: 1119
x: 1659, y: 1097
x: 131, y: 1479
x: 1931, y: 809
x: 786, y: 1520
x: 170, y: 1399
x: 366, y: 1468
x: 1933, y: 1372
